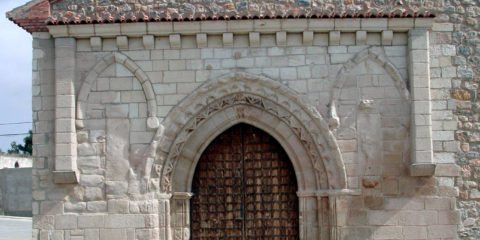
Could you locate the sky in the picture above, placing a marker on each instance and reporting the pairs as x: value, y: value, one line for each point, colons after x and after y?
x: 15, y: 77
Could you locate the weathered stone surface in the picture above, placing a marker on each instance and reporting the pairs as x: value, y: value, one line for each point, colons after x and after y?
x: 92, y: 180
x: 93, y: 194
x: 97, y: 206
x: 118, y: 206
x: 117, y: 164
x: 93, y: 221
x: 75, y: 206
x: 116, y: 189
x: 113, y: 234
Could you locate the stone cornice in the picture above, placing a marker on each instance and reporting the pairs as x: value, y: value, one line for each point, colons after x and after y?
x: 239, y: 27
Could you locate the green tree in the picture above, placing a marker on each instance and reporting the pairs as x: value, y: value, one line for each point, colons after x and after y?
x: 26, y: 148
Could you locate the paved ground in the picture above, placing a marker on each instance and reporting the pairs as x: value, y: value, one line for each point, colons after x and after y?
x: 18, y: 228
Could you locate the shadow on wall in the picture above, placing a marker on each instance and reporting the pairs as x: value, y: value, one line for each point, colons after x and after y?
x: 16, y: 192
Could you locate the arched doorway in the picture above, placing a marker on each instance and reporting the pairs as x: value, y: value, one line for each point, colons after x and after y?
x: 237, y: 98
x: 244, y: 187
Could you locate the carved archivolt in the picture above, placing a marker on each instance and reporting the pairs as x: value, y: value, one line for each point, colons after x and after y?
x: 237, y: 94
x: 92, y: 76
x: 373, y: 54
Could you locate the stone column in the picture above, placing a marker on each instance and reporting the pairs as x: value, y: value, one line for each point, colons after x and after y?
x: 164, y: 216
x: 180, y: 213
x: 334, y: 231
x: 421, y: 118
x: 323, y: 209
x: 308, y: 224
x: 338, y: 215
x: 65, y: 137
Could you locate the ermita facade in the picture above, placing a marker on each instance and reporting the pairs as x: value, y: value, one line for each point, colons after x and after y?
x: 254, y: 119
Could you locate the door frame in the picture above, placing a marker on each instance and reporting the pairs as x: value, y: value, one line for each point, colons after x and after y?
x: 242, y: 135
x: 277, y: 110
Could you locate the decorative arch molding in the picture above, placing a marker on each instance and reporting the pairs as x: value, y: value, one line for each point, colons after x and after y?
x: 376, y: 55
x: 104, y: 63
x: 235, y: 109
x: 256, y: 100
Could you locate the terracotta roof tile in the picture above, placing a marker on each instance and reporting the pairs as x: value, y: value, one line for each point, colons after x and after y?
x: 32, y: 16
x: 110, y: 11
x: 107, y: 11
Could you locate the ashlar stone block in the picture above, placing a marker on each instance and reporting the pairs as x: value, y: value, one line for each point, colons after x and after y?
x: 418, y: 39
x: 118, y: 206
x: 113, y: 234
x: 65, y: 222
x: 124, y: 221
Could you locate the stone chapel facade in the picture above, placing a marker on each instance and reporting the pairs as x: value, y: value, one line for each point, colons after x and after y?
x: 276, y: 119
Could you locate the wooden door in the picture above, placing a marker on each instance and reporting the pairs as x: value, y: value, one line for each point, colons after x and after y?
x: 244, y: 188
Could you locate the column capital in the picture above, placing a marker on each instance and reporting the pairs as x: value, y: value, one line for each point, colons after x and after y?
x: 182, y: 195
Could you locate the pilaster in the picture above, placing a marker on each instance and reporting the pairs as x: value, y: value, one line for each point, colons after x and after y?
x: 421, y: 118
x: 65, y: 138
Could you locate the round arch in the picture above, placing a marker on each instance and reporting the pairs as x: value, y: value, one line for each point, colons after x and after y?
x: 103, y: 64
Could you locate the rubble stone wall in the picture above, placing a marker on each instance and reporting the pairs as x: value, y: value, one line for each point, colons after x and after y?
x: 455, y: 84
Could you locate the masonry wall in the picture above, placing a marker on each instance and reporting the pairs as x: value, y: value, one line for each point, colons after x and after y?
x: 455, y: 79
x: 16, y: 192
x: 373, y: 133
x: 371, y: 108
